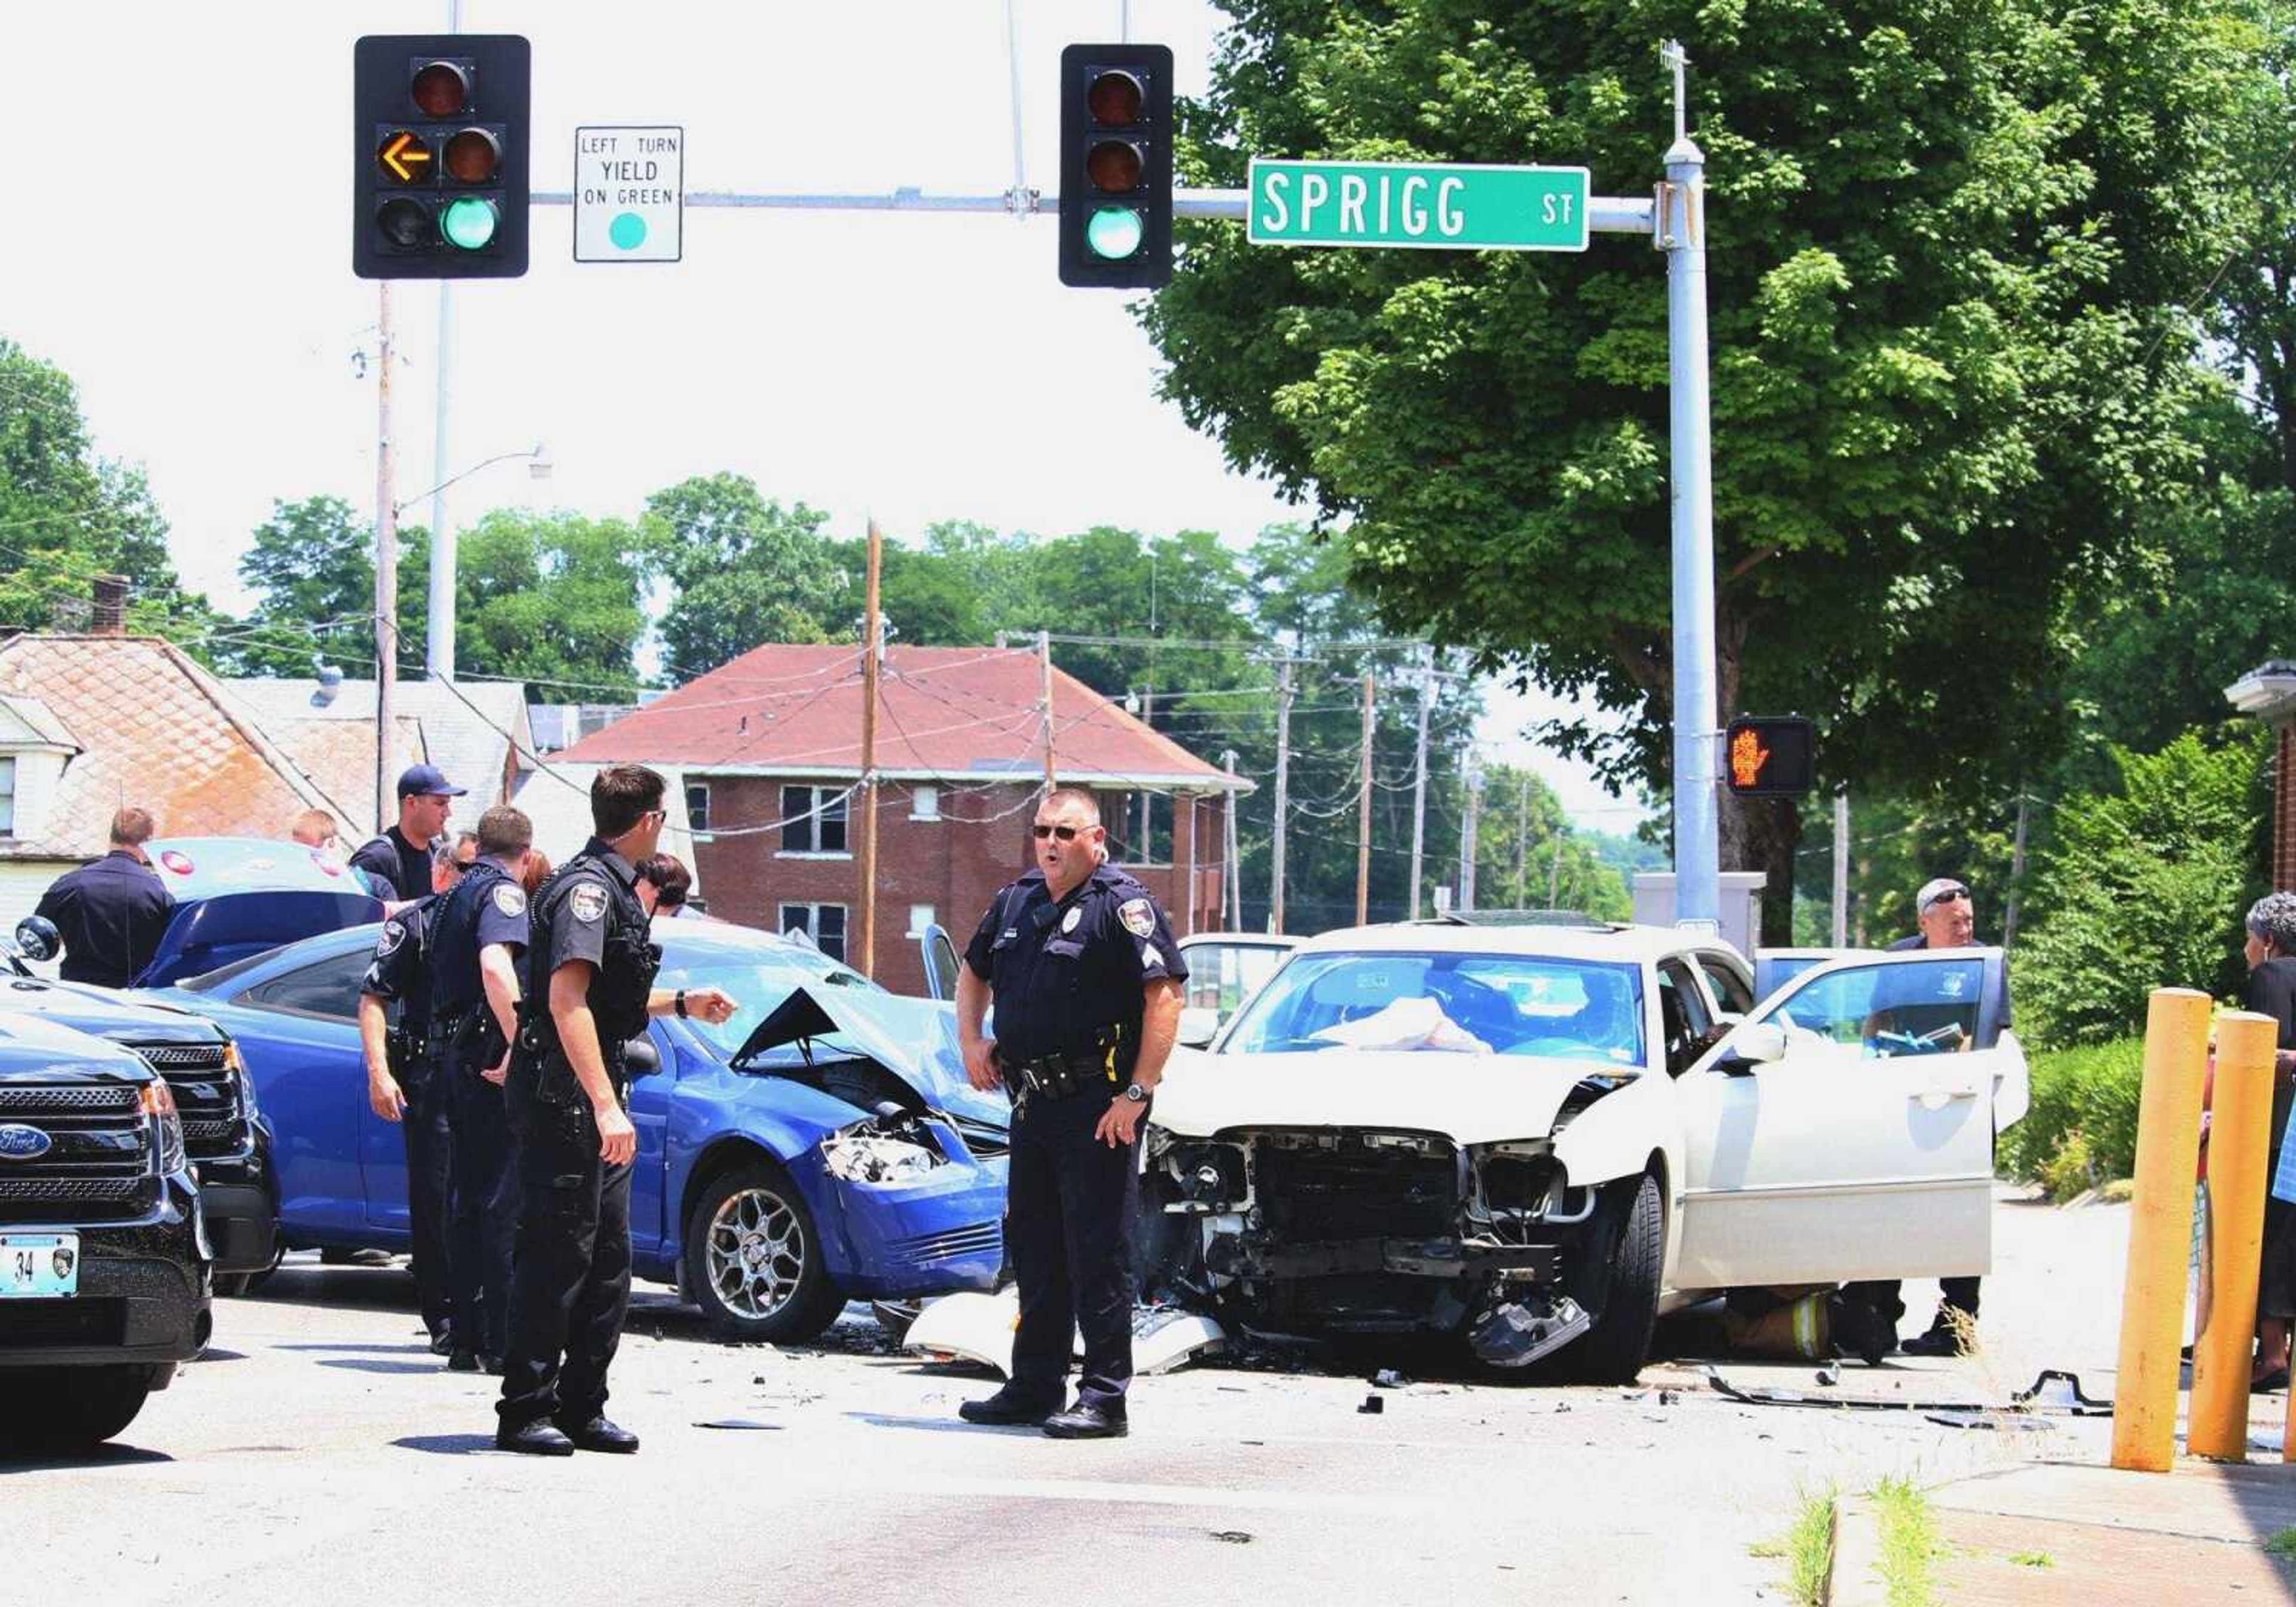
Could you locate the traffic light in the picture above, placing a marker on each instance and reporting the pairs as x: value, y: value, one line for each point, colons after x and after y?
x: 1771, y: 757
x: 440, y: 156
x: 1116, y: 166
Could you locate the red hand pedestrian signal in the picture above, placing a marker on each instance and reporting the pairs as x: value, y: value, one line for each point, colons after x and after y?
x: 1771, y: 757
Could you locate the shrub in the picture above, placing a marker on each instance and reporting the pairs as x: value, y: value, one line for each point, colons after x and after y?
x: 2083, y: 1100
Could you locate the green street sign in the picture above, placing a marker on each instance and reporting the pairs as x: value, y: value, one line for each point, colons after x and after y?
x: 1433, y: 206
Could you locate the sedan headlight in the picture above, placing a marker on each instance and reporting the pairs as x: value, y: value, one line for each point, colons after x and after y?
x: 864, y: 1152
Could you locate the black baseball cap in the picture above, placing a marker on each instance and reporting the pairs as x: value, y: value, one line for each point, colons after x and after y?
x: 426, y: 781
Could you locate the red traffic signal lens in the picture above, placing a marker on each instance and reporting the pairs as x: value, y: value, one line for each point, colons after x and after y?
x: 441, y: 89
x: 472, y: 157
x: 1113, y: 166
x: 1114, y: 100
x: 406, y: 223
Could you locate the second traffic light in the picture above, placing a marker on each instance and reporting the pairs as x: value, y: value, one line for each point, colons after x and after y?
x: 440, y: 156
x: 1116, y: 166
x: 1771, y: 756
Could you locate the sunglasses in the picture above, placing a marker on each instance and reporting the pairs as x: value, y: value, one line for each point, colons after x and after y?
x: 1065, y: 833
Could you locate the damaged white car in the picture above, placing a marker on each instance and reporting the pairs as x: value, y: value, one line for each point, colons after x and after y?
x: 1540, y: 1137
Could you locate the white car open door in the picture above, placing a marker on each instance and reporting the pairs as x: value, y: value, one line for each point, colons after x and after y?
x: 1845, y: 1129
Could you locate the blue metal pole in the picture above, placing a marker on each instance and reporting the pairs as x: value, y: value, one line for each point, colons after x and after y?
x: 1697, y: 827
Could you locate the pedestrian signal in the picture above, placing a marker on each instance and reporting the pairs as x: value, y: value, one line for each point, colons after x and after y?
x: 440, y: 159
x: 1116, y: 166
x: 1770, y: 757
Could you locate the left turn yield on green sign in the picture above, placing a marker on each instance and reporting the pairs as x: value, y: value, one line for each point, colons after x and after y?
x: 1429, y: 206
x: 629, y: 194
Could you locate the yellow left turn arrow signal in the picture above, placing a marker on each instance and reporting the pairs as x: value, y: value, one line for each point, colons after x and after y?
x: 403, y: 154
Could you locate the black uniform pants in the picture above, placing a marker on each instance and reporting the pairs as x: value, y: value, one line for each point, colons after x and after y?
x: 1887, y: 1297
x: 486, y: 1213
x: 571, y: 1282
x: 1068, y: 1230
x: 430, y: 1182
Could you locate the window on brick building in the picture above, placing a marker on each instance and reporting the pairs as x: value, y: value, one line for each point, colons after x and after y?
x: 924, y: 802
x: 921, y: 915
x: 824, y: 924
x: 813, y: 820
x: 697, y: 805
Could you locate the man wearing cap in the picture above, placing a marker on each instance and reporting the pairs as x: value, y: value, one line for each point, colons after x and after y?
x: 1947, y: 918
x: 400, y: 859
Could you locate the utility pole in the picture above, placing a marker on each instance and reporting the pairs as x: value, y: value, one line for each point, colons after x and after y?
x: 1419, y: 774
x: 1282, y: 792
x: 386, y: 570
x: 2016, y: 869
x: 438, y: 635
x: 1044, y: 668
x: 1363, y: 813
x: 1231, y: 861
x: 872, y: 650
x: 1522, y: 842
x: 1555, y: 872
x: 1474, y: 779
x: 1842, y: 868
x: 1140, y: 855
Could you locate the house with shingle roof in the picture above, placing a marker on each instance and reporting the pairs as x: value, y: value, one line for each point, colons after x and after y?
x: 765, y: 751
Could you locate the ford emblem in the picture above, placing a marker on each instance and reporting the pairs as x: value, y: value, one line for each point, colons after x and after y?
x: 21, y: 1142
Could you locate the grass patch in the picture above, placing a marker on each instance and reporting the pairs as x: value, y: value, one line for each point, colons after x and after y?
x: 1908, y: 1543
x: 2032, y: 1559
x: 1806, y: 1548
x: 2283, y: 1545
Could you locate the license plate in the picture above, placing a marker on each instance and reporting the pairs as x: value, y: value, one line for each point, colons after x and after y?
x: 39, y: 1266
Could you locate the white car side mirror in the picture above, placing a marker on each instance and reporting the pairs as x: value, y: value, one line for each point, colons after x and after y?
x: 1760, y: 1044
x: 1198, y: 1025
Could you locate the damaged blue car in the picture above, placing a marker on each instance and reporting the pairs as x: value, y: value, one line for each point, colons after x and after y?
x: 821, y: 1146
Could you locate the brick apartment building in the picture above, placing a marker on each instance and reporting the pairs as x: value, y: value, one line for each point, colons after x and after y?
x: 767, y: 751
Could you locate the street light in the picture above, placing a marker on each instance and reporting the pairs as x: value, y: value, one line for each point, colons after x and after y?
x: 537, y: 466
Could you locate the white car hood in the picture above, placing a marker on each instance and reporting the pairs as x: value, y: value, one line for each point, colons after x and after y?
x: 1468, y: 1098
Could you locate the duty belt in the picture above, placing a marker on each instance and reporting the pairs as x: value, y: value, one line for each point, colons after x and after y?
x: 1061, y: 1076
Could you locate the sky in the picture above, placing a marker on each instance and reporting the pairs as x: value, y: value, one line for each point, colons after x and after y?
x: 195, y: 281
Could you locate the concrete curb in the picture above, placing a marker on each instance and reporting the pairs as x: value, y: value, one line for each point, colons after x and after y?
x: 1853, y: 1581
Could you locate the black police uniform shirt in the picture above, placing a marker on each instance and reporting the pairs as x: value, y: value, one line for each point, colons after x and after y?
x: 1905, y: 945
x: 487, y: 907
x: 580, y: 906
x: 399, y: 973
x: 109, y: 915
x: 2270, y: 990
x: 395, y: 862
x: 1064, y: 972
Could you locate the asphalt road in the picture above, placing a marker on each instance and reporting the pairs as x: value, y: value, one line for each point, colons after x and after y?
x: 321, y: 1455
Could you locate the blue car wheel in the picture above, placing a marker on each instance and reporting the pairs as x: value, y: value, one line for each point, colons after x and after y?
x: 753, y: 1261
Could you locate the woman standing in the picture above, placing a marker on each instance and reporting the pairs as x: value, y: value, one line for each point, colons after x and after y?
x: 2271, y: 990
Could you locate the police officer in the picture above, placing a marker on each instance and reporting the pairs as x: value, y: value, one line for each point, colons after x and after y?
x: 480, y: 933
x: 400, y: 859
x: 1087, y: 982
x: 111, y: 913
x: 590, y: 980
x: 403, y: 1085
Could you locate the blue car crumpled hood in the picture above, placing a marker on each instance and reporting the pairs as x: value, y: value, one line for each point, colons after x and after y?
x: 913, y: 1039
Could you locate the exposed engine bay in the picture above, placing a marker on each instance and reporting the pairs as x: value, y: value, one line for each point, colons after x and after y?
x: 1306, y: 1232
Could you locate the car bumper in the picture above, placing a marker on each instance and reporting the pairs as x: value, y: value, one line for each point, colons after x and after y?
x: 932, y: 1237
x: 142, y: 1296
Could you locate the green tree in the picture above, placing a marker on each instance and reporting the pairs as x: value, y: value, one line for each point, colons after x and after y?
x: 926, y: 598
x: 311, y: 568
x: 552, y: 599
x: 1528, y: 856
x: 743, y: 570
x: 1948, y: 252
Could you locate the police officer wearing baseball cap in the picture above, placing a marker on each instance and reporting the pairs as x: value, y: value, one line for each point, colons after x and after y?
x: 1086, y: 980
x: 589, y: 983
x: 400, y: 857
x: 480, y: 933
x: 403, y: 1085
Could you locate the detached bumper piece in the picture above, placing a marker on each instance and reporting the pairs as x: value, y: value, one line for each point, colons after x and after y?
x: 1254, y: 1258
x: 1519, y: 1333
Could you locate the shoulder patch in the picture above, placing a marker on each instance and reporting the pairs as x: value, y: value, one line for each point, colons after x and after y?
x: 510, y: 897
x: 588, y: 903
x: 394, y: 934
x: 1138, y: 915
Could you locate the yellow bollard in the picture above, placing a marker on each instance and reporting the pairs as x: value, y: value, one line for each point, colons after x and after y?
x: 2240, y: 1134
x: 2160, y: 1230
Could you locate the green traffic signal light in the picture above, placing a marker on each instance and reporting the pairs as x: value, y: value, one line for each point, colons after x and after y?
x: 1114, y: 232
x: 468, y: 223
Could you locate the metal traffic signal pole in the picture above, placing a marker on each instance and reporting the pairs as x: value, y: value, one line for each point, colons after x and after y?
x: 386, y: 568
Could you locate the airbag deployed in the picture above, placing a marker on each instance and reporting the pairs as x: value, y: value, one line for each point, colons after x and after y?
x: 1406, y: 1024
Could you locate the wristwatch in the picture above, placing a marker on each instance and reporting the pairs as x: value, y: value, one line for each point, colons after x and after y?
x: 681, y: 1003
x: 1137, y: 1094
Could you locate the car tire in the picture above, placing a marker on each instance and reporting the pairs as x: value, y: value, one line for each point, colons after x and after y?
x: 69, y: 1409
x: 1620, y: 1286
x: 753, y: 1261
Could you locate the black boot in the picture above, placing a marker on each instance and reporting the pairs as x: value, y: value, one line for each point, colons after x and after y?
x: 1007, y: 1408
x: 1088, y: 1419
x: 533, y: 1439
x: 598, y: 1434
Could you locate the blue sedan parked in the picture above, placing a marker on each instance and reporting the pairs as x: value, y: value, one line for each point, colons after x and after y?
x: 823, y: 1145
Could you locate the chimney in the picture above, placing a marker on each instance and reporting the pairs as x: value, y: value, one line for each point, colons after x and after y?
x: 110, y: 605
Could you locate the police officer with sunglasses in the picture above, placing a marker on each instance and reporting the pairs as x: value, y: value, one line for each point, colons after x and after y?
x: 1086, y: 977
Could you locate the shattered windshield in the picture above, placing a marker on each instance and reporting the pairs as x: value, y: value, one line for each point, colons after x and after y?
x: 1505, y: 1004
x: 756, y: 984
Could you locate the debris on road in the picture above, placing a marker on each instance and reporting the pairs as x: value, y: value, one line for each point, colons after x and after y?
x: 1372, y: 1404
x: 1388, y: 1378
